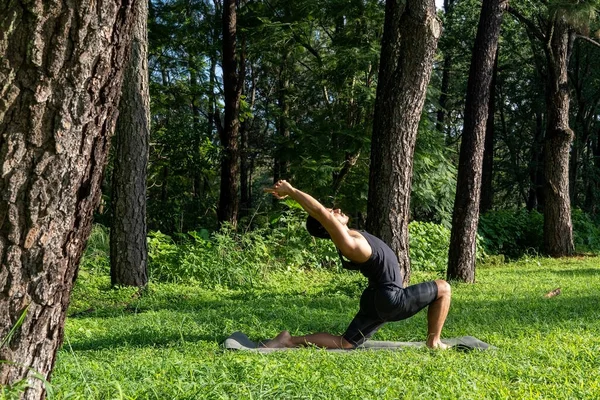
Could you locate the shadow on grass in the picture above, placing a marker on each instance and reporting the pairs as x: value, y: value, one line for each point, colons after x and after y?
x: 260, y: 313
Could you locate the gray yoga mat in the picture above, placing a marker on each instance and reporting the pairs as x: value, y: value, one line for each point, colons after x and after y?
x: 239, y: 341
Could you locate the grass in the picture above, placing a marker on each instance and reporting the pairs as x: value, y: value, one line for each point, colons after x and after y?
x: 165, y: 343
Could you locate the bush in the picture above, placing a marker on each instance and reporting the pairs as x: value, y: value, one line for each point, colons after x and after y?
x: 515, y: 233
x: 512, y: 233
x: 238, y: 259
x: 586, y: 233
x: 96, y: 258
x: 429, y: 244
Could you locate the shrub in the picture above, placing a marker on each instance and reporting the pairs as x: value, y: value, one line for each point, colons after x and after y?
x: 586, y: 233
x: 96, y: 258
x: 429, y: 244
x: 512, y: 233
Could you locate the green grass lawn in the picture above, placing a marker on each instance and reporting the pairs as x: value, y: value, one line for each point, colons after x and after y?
x: 166, y: 343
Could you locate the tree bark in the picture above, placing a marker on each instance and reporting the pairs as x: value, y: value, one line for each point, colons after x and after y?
x: 61, y: 68
x: 465, y: 218
x: 410, y: 36
x: 535, y: 199
x: 446, y: 69
x: 128, y: 243
x: 487, y: 171
x: 232, y: 84
x: 558, y: 228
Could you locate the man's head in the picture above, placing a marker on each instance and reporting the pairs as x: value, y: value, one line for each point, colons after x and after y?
x: 315, y: 228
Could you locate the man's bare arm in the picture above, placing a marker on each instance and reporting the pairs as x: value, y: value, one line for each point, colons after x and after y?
x: 355, y: 249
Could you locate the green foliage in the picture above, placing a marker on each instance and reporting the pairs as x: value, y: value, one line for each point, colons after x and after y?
x: 429, y: 244
x: 96, y: 258
x: 512, y: 233
x: 586, y: 232
x: 238, y: 259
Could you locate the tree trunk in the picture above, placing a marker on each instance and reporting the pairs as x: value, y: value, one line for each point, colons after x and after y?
x: 61, y: 72
x: 446, y: 68
x: 128, y: 244
x: 411, y: 33
x: 465, y: 218
x: 535, y: 199
x: 487, y: 170
x: 558, y: 228
x: 281, y: 167
x: 246, y: 156
x: 232, y: 85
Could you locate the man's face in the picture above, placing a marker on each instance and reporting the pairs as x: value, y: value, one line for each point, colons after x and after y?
x: 343, y: 218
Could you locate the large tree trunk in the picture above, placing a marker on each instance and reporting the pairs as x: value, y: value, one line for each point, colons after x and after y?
x: 128, y: 244
x: 232, y: 85
x: 465, y: 218
x: 411, y: 33
x: 61, y: 70
x: 558, y: 228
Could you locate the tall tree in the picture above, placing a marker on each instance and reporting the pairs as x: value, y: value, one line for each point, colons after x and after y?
x: 558, y: 227
x: 62, y: 67
x: 128, y: 243
x: 461, y: 256
x: 233, y: 78
x: 487, y: 170
x: 556, y: 29
x: 410, y: 35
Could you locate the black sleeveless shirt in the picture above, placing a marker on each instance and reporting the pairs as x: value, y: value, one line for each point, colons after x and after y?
x: 382, y: 268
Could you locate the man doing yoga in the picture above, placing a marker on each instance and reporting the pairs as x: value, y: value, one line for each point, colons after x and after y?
x: 385, y: 299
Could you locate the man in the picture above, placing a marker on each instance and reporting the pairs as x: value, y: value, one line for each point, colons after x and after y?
x: 384, y: 299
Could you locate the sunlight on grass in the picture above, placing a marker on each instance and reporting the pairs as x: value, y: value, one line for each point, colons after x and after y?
x: 165, y: 344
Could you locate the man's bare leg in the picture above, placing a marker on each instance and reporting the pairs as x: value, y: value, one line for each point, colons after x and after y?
x: 326, y: 340
x: 436, y: 315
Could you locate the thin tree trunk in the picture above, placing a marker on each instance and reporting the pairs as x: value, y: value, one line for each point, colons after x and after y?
x: 446, y: 69
x: 128, y: 243
x: 281, y: 167
x: 487, y: 172
x: 558, y: 228
x: 535, y: 200
x: 465, y: 218
x: 410, y: 36
x: 58, y: 107
x: 232, y: 84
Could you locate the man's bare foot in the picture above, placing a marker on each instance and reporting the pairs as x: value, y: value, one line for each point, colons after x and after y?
x: 436, y: 344
x: 284, y: 339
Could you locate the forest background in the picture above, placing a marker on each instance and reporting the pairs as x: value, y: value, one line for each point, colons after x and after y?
x: 309, y: 86
x: 299, y: 82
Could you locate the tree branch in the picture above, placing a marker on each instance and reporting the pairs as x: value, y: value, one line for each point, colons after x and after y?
x: 527, y: 22
x: 589, y: 39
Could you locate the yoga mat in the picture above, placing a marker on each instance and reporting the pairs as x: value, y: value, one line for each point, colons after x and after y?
x: 239, y: 341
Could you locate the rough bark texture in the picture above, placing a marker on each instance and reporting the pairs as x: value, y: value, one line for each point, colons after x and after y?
x: 487, y: 172
x: 232, y: 84
x: 446, y: 69
x: 558, y: 228
x: 128, y: 244
x: 61, y: 66
x: 411, y: 33
x: 465, y: 218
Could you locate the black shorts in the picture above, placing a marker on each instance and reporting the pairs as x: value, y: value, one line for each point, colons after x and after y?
x: 381, y: 305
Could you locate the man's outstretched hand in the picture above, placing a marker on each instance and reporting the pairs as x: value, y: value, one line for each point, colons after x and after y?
x: 281, y: 189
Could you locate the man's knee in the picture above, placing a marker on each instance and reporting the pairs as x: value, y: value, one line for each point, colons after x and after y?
x: 444, y: 289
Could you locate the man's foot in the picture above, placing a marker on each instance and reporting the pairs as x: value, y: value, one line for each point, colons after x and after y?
x: 284, y: 339
x: 437, y: 344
